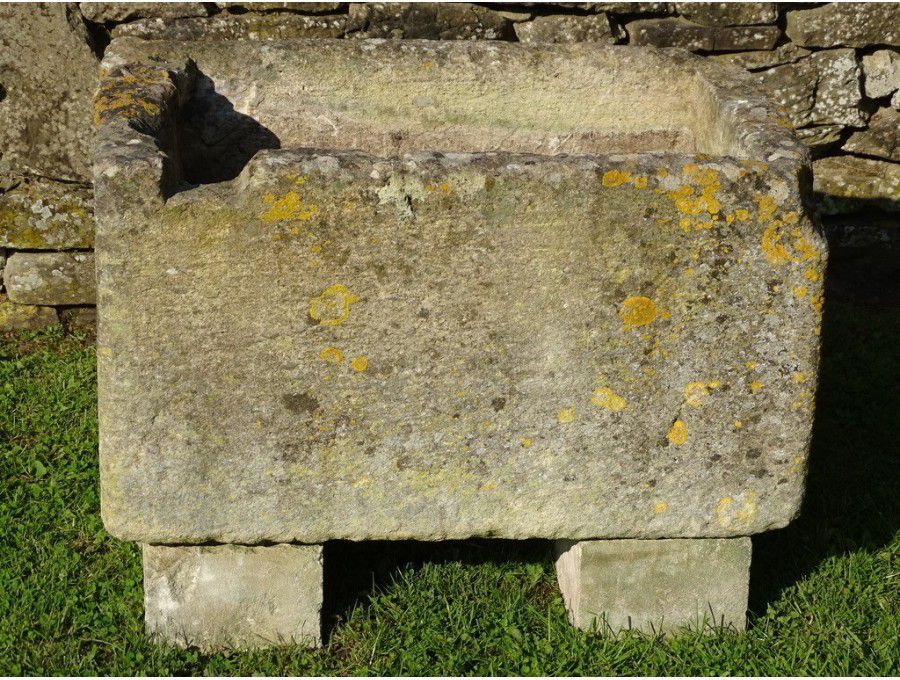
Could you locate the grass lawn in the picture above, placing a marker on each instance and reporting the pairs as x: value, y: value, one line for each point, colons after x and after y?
x: 825, y: 592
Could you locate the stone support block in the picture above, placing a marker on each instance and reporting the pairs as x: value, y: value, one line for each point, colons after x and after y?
x: 50, y: 278
x: 678, y: 32
x: 655, y: 585
x: 15, y: 317
x: 231, y: 596
x: 853, y: 24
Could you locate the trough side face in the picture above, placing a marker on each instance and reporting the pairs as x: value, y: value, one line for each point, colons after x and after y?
x: 336, y: 345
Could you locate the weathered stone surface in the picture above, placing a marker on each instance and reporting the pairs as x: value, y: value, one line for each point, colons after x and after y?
x: 444, y: 21
x: 50, y: 278
x: 374, y: 340
x: 847, y: 183
x: 45, y: 103
x: 728, y: 13
x: 821, y: 89
x: 617, y: 7
x: 250, y: 26
x: 881, y: 137
x: 819, y: 138
x: 759, y: 60
x: 301, y: 7
x: 15, y: 317
x: 563, y: 29
x: 37, y: 214
x: 655, y: 586
x: 114, y: 12
x: 80, y: 318
x: 882, y: 73
x: 678, y: 32
x: 232, y: 596
x: 853, y: 24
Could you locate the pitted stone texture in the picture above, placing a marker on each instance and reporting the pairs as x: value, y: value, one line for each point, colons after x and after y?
x: 821, y: 138
x: 435, y: 21
x: 115, y: 12
x: 559, y: 29
x: 15, y: 317
x: 232, y: 596
x: 678, y: 32
x: 728, y: 13
x: 881, y: 137
x: 882, y: 73
x: 300, y: 7
x: 50, y: 278
x: 845, y: 184
x: 250, y: 26
x: 655, y: 586
x: 45, y: 113
x: 823, y: 88
x: 853, y: 24
x: 443, y: 345
x: 37, y: 214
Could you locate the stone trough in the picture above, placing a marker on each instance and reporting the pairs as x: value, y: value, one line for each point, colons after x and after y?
x: 437, y: 290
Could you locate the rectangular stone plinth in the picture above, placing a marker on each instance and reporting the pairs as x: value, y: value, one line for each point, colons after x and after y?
x: 656, y: 585
x: 232, y: 596
x: 450, y: 318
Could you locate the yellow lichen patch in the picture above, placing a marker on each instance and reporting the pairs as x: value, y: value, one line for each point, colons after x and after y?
x: 488, y: 486
x: 614, y: 178
x: 756, y: 386
x: 766, y: 208
x: 812, y: 275
x: 359, y: 364
x: 332, y: 306
x: 799, y: 377
x: 741, y: 215
x: 751, y: 365
x: 640, y: 182
x: 677, y: 434
x: 566, y: 415
x: 526, y: 442
x: 660, y: 507
x: 805, y: 249
x: 800, y: 292
x: 606, y: 398
x: 637, y: 310
x: 772, y: 247
x: 128, y: 94
x: 362, y: 483
x: 817, y: 302
x: 331, y: 355
x: 695, y: 393
x: 288, y: 207
x: 738, y: 424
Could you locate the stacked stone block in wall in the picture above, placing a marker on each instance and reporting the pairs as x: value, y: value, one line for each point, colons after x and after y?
x: 834, y: 67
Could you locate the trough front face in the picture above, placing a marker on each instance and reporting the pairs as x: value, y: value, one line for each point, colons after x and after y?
x: 574, y: 312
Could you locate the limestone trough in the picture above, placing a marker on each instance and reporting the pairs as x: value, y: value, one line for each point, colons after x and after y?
x: 437, y: 290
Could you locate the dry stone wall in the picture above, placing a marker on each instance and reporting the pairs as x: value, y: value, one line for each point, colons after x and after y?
x: 835, y: 68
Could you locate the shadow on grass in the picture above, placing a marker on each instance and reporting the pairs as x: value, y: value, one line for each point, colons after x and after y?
x: 851, y: 501
x: 353, y: 571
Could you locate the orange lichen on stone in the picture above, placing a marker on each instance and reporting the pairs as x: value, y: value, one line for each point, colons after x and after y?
x: 331, y: 355
x: 127, y: 94
x: 360, y: 364
x: 606, y: 398
x: 614, y: 178
x: 566, y: 415
x: 638, y: 311
x: 332, y: 306
x: 660, y: 507
x: 677, y: 434
x: 289, y: 207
